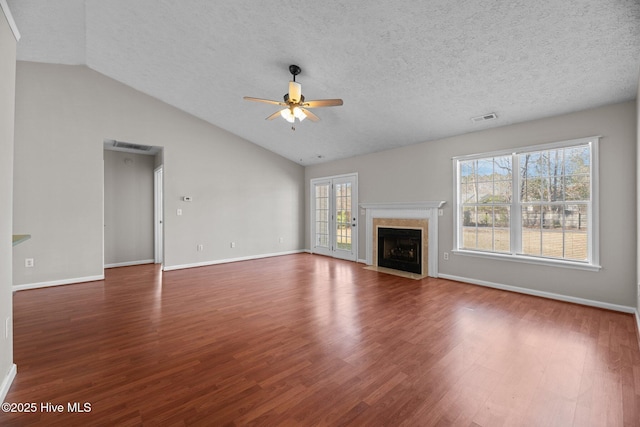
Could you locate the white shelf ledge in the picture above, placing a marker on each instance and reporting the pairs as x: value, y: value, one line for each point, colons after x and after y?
x: 404, y: 205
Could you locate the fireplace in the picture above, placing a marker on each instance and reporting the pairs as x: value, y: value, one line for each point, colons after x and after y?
x: 400, y: 249
x: 410, y: 215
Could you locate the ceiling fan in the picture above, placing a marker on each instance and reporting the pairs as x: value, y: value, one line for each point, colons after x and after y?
x: 295, y: 106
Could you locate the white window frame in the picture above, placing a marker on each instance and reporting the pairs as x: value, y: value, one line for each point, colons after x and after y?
x: 593, y: 261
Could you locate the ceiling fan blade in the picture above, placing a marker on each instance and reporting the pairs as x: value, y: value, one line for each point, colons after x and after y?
x: 267, y: 101
x: 322, y: 103
x: 295, y: 91
x: 310, y: 115
x: 274, y: 115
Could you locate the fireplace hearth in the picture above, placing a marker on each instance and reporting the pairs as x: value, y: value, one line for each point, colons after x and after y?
x: 400, y: 249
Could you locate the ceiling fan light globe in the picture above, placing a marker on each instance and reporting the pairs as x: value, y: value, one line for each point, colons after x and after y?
x: 288, y: 115
x: 299, y: 114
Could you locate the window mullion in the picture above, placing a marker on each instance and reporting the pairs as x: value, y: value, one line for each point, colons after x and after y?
x: 516, y: 209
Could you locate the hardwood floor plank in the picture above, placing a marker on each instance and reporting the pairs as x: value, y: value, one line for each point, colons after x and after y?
x: 309, y: 340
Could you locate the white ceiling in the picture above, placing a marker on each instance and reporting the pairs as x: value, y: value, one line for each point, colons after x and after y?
x: 408, y: 71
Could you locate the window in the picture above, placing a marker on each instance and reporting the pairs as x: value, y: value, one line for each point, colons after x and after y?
x: 485, y: 197
x: 536, y: 204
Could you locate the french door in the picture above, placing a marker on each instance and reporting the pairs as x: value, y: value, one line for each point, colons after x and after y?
x: 334, y: 205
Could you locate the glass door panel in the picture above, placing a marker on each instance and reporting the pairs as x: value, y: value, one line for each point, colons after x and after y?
x: 321, y: 215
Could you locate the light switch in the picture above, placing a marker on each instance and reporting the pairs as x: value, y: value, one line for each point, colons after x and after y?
x: 179, y: 212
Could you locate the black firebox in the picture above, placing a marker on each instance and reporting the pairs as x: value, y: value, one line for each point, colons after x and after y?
x: 400, y: 249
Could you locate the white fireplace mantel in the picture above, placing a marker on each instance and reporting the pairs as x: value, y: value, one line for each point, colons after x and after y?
x: 403, y: 205
x: 405, y: 210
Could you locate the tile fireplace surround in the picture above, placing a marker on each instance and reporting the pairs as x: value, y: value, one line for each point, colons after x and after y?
x: 404, y: 215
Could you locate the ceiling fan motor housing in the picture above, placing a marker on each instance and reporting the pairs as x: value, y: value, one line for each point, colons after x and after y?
x: 286, y: 99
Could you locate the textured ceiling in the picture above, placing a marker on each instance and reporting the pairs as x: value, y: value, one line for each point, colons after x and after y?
x: 408, y: 71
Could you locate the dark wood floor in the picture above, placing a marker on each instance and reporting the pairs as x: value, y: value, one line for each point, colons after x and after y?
x: 308, y: 340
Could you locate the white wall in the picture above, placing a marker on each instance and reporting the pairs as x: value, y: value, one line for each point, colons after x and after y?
x: 7, y: 91
x: 128, y: 207
x: 425, y: 172
x: 242, y: 193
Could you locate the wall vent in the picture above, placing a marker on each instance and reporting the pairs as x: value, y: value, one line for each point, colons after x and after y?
x: 130, y: 146
x: 484, y: 118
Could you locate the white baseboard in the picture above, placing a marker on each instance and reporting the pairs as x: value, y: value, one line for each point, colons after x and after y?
x: 57, y: 283
x: 129, y: 263
x: 227, y: 260
x: 7, y: 380
x: 550, y: 295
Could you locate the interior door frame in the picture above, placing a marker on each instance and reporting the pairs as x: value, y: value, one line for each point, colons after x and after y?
x: 158, y: 215
x: 333, y: 250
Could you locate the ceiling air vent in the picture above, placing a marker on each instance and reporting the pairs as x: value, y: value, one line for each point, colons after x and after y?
x: 130, y: 146
x: 484, y: 118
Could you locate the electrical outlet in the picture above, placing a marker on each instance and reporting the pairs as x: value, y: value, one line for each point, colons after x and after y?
x: 200, y: 248
x: 233, y: 244
x: 445, y: 256
x: 28, y: 262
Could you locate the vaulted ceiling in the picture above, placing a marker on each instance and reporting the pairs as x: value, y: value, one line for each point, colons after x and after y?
x: 408, y: 71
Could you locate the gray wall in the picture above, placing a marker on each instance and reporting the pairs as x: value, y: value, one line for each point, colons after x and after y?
x: 128, y: 207
x: 424, y: 172
x: 7, y: 91
x: 242, y: 193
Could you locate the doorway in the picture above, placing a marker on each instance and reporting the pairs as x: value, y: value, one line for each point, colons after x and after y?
x: 133, y: 200
x: 334, y: 228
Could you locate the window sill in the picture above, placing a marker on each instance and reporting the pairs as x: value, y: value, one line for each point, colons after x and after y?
x: 531, y: 260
